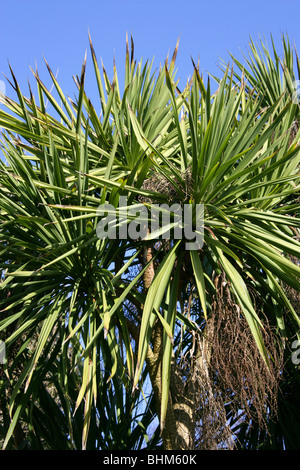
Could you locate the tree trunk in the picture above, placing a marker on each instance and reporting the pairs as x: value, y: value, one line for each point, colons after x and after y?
x: 149, y: 272
x: 178, y: 431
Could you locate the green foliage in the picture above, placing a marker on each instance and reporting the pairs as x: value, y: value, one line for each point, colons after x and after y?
x: 73, y: 305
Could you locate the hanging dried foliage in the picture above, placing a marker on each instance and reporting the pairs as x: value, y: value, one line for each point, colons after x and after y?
x: 235, y: 366
x: 225, y: 369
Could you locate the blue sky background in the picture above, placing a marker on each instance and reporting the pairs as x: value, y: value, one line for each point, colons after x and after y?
x: 58, y: 29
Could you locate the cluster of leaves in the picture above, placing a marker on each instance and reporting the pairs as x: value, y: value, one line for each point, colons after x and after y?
x: 82, y: 383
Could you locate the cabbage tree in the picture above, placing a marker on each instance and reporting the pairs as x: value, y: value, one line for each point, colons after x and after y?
x: 108, y: 324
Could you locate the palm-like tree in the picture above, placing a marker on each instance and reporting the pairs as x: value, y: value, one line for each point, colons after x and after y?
x: 105, y: 334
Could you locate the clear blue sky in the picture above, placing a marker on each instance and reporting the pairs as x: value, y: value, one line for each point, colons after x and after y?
x: 58, y: 29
